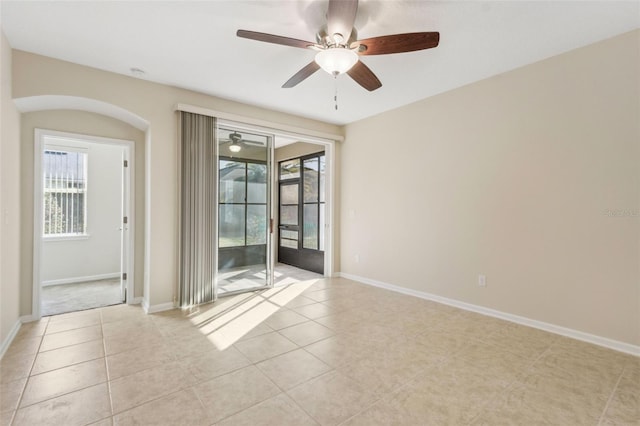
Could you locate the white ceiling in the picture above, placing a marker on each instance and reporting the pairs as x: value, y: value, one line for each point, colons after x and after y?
x: 192, y: 44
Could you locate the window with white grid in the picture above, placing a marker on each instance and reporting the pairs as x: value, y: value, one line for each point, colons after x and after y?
x: 65, y: 193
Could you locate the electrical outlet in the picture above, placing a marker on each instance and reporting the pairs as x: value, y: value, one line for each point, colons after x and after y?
x: 357, y: 258
x: 482, y: 280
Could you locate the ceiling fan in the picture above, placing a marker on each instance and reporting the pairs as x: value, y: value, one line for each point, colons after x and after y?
x: 236, y: 142
x: 339, y: 50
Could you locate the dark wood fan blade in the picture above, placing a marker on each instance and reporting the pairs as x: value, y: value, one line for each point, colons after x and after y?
x: 399, y: 43
x: 341, y: 17
x: 276, y: 39
x: 364, y: 76
x: 301, y: 75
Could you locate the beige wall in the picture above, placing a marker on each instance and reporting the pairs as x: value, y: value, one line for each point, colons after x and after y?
x: 513, y: 177
x: 84, y: 123
x: 9, y: 198
x: 37, y: 75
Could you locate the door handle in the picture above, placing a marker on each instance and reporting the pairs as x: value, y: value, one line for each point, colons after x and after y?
x: 271, y: 226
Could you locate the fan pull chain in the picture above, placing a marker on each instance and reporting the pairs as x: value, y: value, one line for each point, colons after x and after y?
x: 335, y: 95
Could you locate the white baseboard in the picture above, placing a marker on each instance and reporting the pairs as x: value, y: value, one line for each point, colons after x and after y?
x: 28, y: 318
x: 81, y: 279
x: 7, y: 341
x: 136, y: 301
x: 152, y: 309
x: 552, y: 328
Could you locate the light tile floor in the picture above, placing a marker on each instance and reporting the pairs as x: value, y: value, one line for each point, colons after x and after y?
x: 251, y: 277
x: 324, y: 351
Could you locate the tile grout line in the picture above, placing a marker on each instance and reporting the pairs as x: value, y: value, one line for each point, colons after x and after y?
x: 56, y: 396
x: 177, y: 361
x: 204, y: 408
x: 154, y: 399
x: 507, y: 389
x: 285, y: 391
x: 26, y: 382
x: 66, y: 393
x: 389, y: 392
x: 381, y: 397
x: 252, y: 405
x: 613, y: 392
x: 106, y: 366
x: 333, y: 370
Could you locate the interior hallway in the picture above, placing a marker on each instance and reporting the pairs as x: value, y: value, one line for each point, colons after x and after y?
x: 63, y: 298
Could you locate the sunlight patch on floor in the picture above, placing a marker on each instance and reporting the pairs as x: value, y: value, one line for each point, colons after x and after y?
x: 226, y: 323
x: 221, y: 320
x: 285, y: 282
x: 283, y: 295
x: 219, y: 308
x: 232, y: 331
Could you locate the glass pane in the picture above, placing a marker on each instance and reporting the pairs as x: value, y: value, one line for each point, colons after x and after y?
x: 257, y: 183
x: 289, y: 215
x: 322, y: 168
x: 310, y: 229
x: 231, y: 225
x: 289, y: 194
x: 321, y: 226
x: 256, y: 224
x: 289, y: 243
x: 290, y: 169
x: 244, y: 196
x: 64, y: 192
x: 232, y: 181
x: 292, y: 235
x: 311, y: 180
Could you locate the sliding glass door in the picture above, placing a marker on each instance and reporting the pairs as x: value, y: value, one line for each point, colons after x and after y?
x: 244, y: 211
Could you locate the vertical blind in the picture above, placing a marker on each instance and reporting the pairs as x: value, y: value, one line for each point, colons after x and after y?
x: 197, y: 209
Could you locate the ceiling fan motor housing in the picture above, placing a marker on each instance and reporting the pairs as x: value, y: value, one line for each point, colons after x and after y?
x: 339, y: 48
x: 235, y: 137
x: 324, y: 39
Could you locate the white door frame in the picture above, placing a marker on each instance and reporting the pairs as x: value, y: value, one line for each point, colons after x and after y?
x: 330, y: 184
x: 329, y: 153
x: 129, y: 209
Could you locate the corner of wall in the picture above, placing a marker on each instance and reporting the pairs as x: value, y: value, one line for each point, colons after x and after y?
x: 152, y: 309
x: 6, y: 342
x: 9, y: 201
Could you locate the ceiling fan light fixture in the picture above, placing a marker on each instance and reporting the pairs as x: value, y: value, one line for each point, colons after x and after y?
x: 234, y: 147
x: 336, y: 60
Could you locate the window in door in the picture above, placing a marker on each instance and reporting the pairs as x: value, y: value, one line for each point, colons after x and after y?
x: 65, y: 190
x: 289, y: 212
x: 313, y: 203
